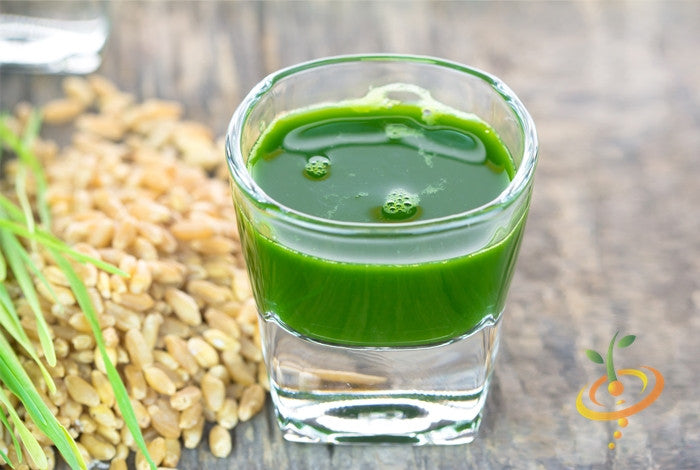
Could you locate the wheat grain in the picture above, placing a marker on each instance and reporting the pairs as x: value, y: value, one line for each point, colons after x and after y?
x: 132, y: 190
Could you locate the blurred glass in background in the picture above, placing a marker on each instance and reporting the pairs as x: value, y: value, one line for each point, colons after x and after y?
x: 53, y: 36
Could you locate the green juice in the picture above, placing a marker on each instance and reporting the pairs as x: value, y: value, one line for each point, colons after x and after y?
x: 382, y: 165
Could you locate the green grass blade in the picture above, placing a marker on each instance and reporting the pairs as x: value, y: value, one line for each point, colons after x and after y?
x: 18, y: 382
x: 3, y: 268
x: 29, y: 262
x: 12, y: 324
x: 8, y: 137
x: 15, y: 442
x: 120, y: 393
x: 12, y: 248
x: 9, y: 318
x: 31, y: 131
x: 7, y: 459
x: 49, y: 241
x: 12, y: 374
x: 19, y: 147
x: 30, y: 443
x: 22, y: 146
x: 11, y: 208
x: 18, y: 334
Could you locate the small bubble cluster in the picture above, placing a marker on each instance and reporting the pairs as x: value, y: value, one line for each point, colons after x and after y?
x: 317, y: 167
x: 400, y: 204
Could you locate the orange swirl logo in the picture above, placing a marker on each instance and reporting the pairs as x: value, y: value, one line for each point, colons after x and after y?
x: 616, y: 379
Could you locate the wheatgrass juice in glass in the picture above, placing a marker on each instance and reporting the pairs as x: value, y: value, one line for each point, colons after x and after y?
x: 380, y: 214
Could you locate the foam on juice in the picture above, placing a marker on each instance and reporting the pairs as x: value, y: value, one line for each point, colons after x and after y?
x: 400, y: 205
x: 317, y: 167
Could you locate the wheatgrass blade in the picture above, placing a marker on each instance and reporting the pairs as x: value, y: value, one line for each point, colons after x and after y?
x: 120, y: 394
x: 29, y: 160
x: 49, y: 241
x: 6, y: 458
x: 30, y: 443
x: 20, y: 337
x: 3, y: 268
x: 12, y: 248
x: 39, y: 276
x: 31, y: 131
x: 21, y: 148
x: 13, y: 211
x: 12, y: 374
x: 12, y: 324
x: 18, y: 331
x: 18, y: 382
x: 15, y: 442
x: 31, y: 265
x: 9, y: 319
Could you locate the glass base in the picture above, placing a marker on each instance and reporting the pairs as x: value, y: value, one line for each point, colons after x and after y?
x: 345, y: 395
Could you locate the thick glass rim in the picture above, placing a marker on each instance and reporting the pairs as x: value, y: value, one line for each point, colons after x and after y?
x: 519, y: 183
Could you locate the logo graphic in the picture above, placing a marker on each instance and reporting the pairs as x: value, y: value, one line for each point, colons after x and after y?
x: 616, y: 407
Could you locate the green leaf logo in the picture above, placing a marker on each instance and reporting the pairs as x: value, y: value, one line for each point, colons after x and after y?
x: 594, y: 356
x: 588, y: 405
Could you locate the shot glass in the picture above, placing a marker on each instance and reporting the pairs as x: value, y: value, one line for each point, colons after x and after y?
x: 380, y: 332
x: 40, y: 36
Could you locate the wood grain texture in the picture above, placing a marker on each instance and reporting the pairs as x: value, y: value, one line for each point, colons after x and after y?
x: 613, y: 239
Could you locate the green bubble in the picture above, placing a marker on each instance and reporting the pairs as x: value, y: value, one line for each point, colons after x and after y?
x: 317, y: 167
x: 400, y: 204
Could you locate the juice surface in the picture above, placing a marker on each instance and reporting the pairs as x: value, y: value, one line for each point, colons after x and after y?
x: 382, y: 165
x: 348, y: 164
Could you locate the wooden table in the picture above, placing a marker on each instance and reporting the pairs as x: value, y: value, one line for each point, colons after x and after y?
x: 613, y: 240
